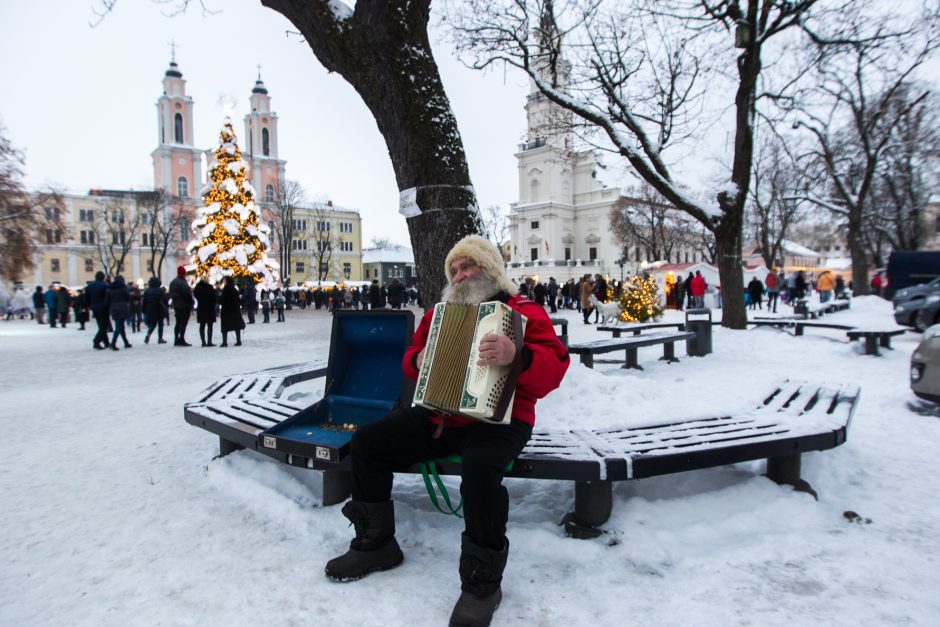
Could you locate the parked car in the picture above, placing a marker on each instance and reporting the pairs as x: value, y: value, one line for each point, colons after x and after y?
x: 909, y: 301
x: 925, y: 366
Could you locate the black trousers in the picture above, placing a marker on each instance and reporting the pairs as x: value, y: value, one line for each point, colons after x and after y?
x: 182, y: 319
x: 101, y: 319
x: 405, y: 437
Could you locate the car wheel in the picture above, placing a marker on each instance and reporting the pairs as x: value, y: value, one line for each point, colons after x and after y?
x: 920, y: 321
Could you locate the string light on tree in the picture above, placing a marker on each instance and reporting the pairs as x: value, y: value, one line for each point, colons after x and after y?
x: 230, y: 238
x: 639, y: 300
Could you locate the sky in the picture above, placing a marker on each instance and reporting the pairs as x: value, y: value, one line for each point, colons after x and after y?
x: 116, y: 514
x: 80, y: 102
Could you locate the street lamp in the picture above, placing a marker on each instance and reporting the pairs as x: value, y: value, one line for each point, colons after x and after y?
x: 620, y: 262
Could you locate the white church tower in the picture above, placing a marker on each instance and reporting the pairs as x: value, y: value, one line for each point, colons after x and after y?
x: 259, y: 145
x: 560, y: 226
x: 177, y: 162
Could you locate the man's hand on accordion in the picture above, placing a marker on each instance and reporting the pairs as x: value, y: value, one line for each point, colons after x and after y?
x: 496, y: 350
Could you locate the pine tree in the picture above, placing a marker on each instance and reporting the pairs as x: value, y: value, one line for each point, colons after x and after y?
x: 639, y: 300
x: 231, y: 240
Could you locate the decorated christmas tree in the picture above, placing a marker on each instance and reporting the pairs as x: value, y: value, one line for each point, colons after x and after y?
x: 639, y: 300
x: 230, y: 238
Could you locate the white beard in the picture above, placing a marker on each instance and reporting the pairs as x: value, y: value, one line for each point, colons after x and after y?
x: 470, y: 291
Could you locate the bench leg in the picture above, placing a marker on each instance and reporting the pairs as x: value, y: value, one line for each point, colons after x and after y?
x: 227, y: 446
x: 669, y: 352
x: 799, y: 330
x: 886, y: 341
x: 785, y: 470
x: 587, y: 359
x: 631, y: 360
x: 871, y: 345
x: 593, y: 502
x: 337, y: 486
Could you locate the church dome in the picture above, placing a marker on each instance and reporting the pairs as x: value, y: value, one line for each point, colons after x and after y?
x: 174, y: 70
x: 259, y: 87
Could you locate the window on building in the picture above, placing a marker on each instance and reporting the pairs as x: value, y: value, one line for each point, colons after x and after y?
x: 86, y: 215
x: 87, y: 237
x: 146, y: 218
x: 118, y: 238
x: 53, y: 236
x: 347, y: 269
x: 346, y: 247
x: 323, y: 225
x: 178, y: 128
x: 265, y: 142
x: 592, y: 253
x: 298, y: 244
x: 89, y: 265
x: 117, y: 216
x: 150, y: 266
x: 146, y: 239
x: 323, y: 246
x: 300, y: 225
x: 534, y: 224
x: 345, y: 227
x: 838, y: 248
x: 324, y: 268
x: 534, y: 254
x: 52, y: 213
x: 636, y: 252
x: 54, y: 265
x: 182, y: 187
x: 268, y: 193
x: 299, y: 267
x: 687, y: 256
x: 567, y: 254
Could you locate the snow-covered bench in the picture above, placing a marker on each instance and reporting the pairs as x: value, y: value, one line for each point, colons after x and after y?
x: 668, y: 339
x: 875, y: 339
x: 786, y: 422
x: 638, y: 328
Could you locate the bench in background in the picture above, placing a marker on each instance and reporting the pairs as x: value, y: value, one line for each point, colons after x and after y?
x: 588, y: 350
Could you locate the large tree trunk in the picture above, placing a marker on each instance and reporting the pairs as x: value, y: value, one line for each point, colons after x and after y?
x: 728, y: 253
x: 856, y: 245
x: 384, y: 53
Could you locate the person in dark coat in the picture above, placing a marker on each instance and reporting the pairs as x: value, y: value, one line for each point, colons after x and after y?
x: 154, y: 306
x: 119, y: 299
x: 553, y: 294
x: 136, y: 306
x: 755, y: 292
x: 181, y: 295
x: 39, y: 304
x: 396, y: 293
x: 539, y: 291
x: 250, y: 294
x: 375, y: 295
x: 206, y: 298
x: 231, y: 312
x: 679, y: 289
x: 63, y: 301
x: 97, y: 294
x: 80, y: 305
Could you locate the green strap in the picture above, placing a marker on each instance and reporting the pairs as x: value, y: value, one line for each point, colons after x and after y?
x: 429, y: 469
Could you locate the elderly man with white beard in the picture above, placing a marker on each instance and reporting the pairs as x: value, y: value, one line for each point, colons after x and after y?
x: 409, y: 435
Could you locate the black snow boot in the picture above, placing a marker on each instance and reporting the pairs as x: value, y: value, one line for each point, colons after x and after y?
x: 374, y: 547
x: 481, y: 571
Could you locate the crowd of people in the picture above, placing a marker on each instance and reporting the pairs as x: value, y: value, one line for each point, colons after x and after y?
x: 116, y: 306
x: 778, y: 286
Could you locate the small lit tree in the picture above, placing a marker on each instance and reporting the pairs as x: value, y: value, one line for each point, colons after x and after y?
x: 232, y: 240
x: 639, y: 300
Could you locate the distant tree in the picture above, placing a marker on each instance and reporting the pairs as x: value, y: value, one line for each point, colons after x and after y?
x: 853, y: 110
x: 288, y: 196
x: 772, y: 208
x: 25, y: 219
x: 495, y: 225
x: 117, y: 228
x: 383, y: 243
x: 164, y: 219
x: 643, y: 218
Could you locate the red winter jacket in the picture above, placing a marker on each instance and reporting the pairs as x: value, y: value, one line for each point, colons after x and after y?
x: 698, y: 285
x: 544, y: 360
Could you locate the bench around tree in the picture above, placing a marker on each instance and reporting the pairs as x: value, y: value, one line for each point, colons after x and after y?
x: 791, y: 419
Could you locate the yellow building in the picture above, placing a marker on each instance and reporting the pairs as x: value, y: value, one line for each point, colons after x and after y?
x: 326, y: 244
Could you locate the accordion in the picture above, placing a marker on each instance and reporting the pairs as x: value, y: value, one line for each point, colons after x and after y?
x: 450, y: 379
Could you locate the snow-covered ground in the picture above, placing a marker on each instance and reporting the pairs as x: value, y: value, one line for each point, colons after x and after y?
x: 115, y: 513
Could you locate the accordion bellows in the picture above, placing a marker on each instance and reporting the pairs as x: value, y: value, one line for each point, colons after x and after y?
x: 450, y: 379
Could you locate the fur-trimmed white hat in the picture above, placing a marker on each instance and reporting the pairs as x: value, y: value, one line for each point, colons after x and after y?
x: 484, y: 254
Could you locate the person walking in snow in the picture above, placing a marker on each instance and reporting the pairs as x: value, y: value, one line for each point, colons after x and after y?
x: 755, y: 293
x: 153, y: 303
x: 407, y: 435
x: 39, y: 305
x: 119, y: 309
x: 181, y: 297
